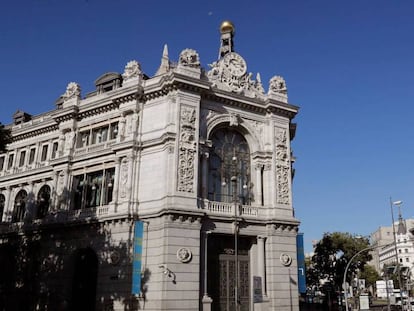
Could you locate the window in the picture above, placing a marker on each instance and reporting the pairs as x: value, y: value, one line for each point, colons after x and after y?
x: 400, y: 251
x: 44, y: 153
x: 93, y: 189
x: 2, y: 203
x: 100, y: 135
x: 32, y: 155
x: 83, y: 139
x: 229, y: 168
x: 97, y: 135
x: 22, y: 158
x: 113, y: 130
x: 54, y: 149
x: 19, y: 210
x: 407, y: 259
x: 43, y: 201
x: 406, y: 250
x: 1, y: 163
x: 10, y: 162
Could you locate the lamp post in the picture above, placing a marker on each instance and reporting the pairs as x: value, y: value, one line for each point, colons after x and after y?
x: 392, y: 204
x: 369, y: 248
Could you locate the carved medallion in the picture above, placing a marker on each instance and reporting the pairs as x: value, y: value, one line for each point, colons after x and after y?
x: 285, y: 259
x: 184, y: 255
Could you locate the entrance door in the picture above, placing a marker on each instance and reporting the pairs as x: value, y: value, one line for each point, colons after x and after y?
x: 222, y: 274
x: 227, y: 277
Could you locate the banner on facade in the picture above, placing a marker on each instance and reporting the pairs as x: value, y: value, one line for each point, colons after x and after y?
x: 137, y: 258
x: 301, y: 264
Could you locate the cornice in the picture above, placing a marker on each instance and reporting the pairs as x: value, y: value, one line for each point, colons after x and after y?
x: 35, y: 131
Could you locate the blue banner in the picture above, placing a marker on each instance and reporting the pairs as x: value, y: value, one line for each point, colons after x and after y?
x: 301, y: 264
x: 137, y: 258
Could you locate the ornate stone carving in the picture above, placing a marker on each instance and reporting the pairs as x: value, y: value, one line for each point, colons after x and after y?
x: 229, y: 73
x: 123, y: 180
x: 234, y: 119
x: 187, y: 150
x: 69, y: 141
x: 132, y: 70
x: 73, y: 90
x: 282, y: 166
x: 184, y: 254
x: 282, y: 176
x: 277, y: 85
x: 60, y: 183
x: 285, y: 259
x: 189, y: 58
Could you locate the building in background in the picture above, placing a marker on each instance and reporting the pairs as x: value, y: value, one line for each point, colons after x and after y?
x: 385, y: 256
x: 199, y: 158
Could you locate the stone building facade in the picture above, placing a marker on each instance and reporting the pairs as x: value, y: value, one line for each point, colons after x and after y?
x: 200, y: 156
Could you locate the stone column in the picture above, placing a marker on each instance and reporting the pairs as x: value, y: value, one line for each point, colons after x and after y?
x: 130, y: 175
x: 204, y: 180
x: 61, y: 144
x: 31, y: 209
x: 267, y: 184
x: 116, y: 180
x: 258, y: 194
x: 54, y: 190
x: 7, y: 206
x: 261, y: 261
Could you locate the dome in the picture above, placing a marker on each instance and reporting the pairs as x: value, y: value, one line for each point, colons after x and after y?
x: 227, y: 26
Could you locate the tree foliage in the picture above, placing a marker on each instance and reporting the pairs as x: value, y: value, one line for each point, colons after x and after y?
x: 332, y: 254
x: 5, y: 137
x: 370, y: 275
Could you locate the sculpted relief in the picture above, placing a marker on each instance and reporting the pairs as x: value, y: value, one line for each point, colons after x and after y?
x: 73, y: 90
x: 282, y: 166
x: 189, y: 58
x: 132, y: 70
x: 187, y: 150
x: 230, y: 73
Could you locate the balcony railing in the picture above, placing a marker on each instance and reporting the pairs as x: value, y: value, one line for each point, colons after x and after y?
x: 224, y: 208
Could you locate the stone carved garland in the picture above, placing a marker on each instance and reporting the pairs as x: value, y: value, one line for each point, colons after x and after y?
x: 187, y: 150
x: 189, y: 58
x: 282, y: 167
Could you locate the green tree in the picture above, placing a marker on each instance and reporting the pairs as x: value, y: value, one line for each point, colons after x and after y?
x: 332, y: 254
x: 5, y: 138
x: 370, y: 275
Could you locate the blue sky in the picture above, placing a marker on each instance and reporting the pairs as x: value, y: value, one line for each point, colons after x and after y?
x: 348, y: 64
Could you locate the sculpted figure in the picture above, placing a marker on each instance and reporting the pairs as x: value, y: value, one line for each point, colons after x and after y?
x: 189, y: 57
x: 132, y: 70
x: 277, y: 85
x: 72, y: 90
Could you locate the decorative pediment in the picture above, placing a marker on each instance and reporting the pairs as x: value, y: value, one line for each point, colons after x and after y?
x: 229, y: 73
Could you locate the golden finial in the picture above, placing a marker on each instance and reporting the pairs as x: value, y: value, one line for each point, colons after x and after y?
x: 227, y: 26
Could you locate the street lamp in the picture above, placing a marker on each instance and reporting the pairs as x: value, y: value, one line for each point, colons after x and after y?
x: 392, y: 204
x: 369, y: 248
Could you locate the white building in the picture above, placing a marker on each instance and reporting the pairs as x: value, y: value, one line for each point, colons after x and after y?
x: 386, y: 255
x: 193, y: 154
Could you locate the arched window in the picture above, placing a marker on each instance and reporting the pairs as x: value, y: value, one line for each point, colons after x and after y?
x: 2, y: 203
x: 19, y: 206
x: 229, y: 168
x: 43, y: 201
